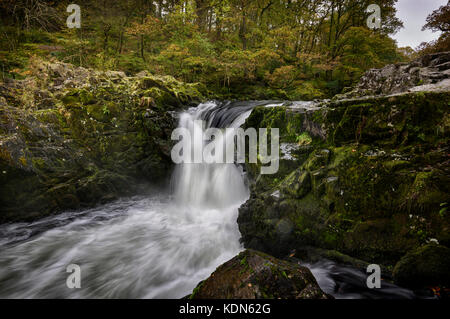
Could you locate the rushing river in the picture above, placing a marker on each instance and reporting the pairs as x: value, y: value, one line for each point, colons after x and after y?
x: 157, y: 246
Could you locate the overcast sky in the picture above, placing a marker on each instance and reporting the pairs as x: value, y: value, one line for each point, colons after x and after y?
x: 413, y: 13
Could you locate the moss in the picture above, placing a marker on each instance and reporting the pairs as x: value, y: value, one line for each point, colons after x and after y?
x: 304, y: 139
x: 96, y: 136
x: 23, y: 161
x: 267, y: 277
x: 196, y: 290
x: 383, y: 160
x: 38, y: 163
x: 426, y: 266
x: 5, y: 155
x: 424, y: 194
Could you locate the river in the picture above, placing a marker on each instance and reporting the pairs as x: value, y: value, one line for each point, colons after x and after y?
x: 157, y: 246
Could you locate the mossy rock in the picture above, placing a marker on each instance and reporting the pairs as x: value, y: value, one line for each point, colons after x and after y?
x: 88, y: 137
x: 377, y: 178
x: 427, y: 266
x: 255, y: 275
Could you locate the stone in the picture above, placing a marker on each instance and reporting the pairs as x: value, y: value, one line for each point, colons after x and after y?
x: 72, y: 137
x: 255, y: 275
x: 429, y: 70
x: 426, y: 266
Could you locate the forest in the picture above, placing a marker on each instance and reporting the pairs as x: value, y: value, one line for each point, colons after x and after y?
x: 97, y: 200
x: 297, y: 50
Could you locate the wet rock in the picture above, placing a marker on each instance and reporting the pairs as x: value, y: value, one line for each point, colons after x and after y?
x: 426, y: 266
x: 255, y: 275
x: 72, y: 137
x: 378, y: 161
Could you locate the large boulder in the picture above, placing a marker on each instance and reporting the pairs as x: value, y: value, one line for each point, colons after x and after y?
x: 426, y: 266
x: 371, y: 188
x: 255, y: 275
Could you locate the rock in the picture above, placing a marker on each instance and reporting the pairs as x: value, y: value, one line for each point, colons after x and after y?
x: 428, y: 73
x: 371, y: 184
x: 255, y: 275
x: 72, y: 137
x: 426, y: 266
x: 298, y: 184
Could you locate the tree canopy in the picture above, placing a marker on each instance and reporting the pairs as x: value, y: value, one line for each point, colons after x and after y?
x: 438, y: 21
x: 298, y: 49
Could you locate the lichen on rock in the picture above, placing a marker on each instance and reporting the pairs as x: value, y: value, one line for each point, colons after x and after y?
x: 72, y: 137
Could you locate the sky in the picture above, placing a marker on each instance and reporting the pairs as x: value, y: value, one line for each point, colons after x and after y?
x: 413, y: 13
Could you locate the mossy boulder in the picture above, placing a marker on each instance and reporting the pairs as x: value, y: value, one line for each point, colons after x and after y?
x: 73, y: 137
x: 371, y: 182
x: 426, y: 266
x: 255, y: 275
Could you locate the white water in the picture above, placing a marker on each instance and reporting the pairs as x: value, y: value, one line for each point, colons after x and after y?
x: 204, y: 185
x: 158, y: 247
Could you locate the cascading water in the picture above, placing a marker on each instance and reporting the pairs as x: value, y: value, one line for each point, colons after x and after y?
x: 158, y: 247
x: 152, y: 247
x: 204, y: 185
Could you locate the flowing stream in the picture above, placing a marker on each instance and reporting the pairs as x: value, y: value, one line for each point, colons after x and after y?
x: 158, y: 246
x: 155, y: 247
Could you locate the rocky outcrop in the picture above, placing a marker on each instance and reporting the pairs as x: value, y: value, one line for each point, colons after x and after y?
x: 367, y: 177
x: 255, y: 275
x: 72, y: 137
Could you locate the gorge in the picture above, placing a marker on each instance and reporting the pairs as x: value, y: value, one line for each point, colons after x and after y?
x: 363, y: 178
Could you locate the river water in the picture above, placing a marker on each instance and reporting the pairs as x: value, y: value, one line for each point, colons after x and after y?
x: 158, y: 246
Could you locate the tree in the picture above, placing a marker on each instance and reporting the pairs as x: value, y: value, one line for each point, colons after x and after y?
x: 226, y: 44
x: 150, y: 27
x: 32, y: 14
x: 363, y: 50
x: 438, y: 20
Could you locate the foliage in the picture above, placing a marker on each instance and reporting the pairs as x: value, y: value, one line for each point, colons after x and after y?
x: 233, y: 47
x: 438, y: 20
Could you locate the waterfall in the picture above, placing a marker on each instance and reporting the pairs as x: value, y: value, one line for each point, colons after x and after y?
x: 209, y: 185
x: 160, y: 246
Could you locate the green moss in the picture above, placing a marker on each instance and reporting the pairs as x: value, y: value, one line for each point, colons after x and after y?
x: 97, y: 136
x: 38, y: 162
x: 426, y: 266
x: 196, y: 290
x: 23, y: 161
x: 304, y: 139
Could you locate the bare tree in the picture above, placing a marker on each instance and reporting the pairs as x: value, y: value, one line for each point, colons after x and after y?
x: 33, y: 13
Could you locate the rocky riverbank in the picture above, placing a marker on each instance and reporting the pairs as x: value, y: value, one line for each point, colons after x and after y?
x: 364, y: 177
x: 73, y: 137
x: 365, y: 174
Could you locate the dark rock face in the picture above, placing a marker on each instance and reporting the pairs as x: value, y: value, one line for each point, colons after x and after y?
x: 372, y: 189
x: 427, y: 266
x: 374, y: 184
x: 72, y: 137
x: 255, y: 275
